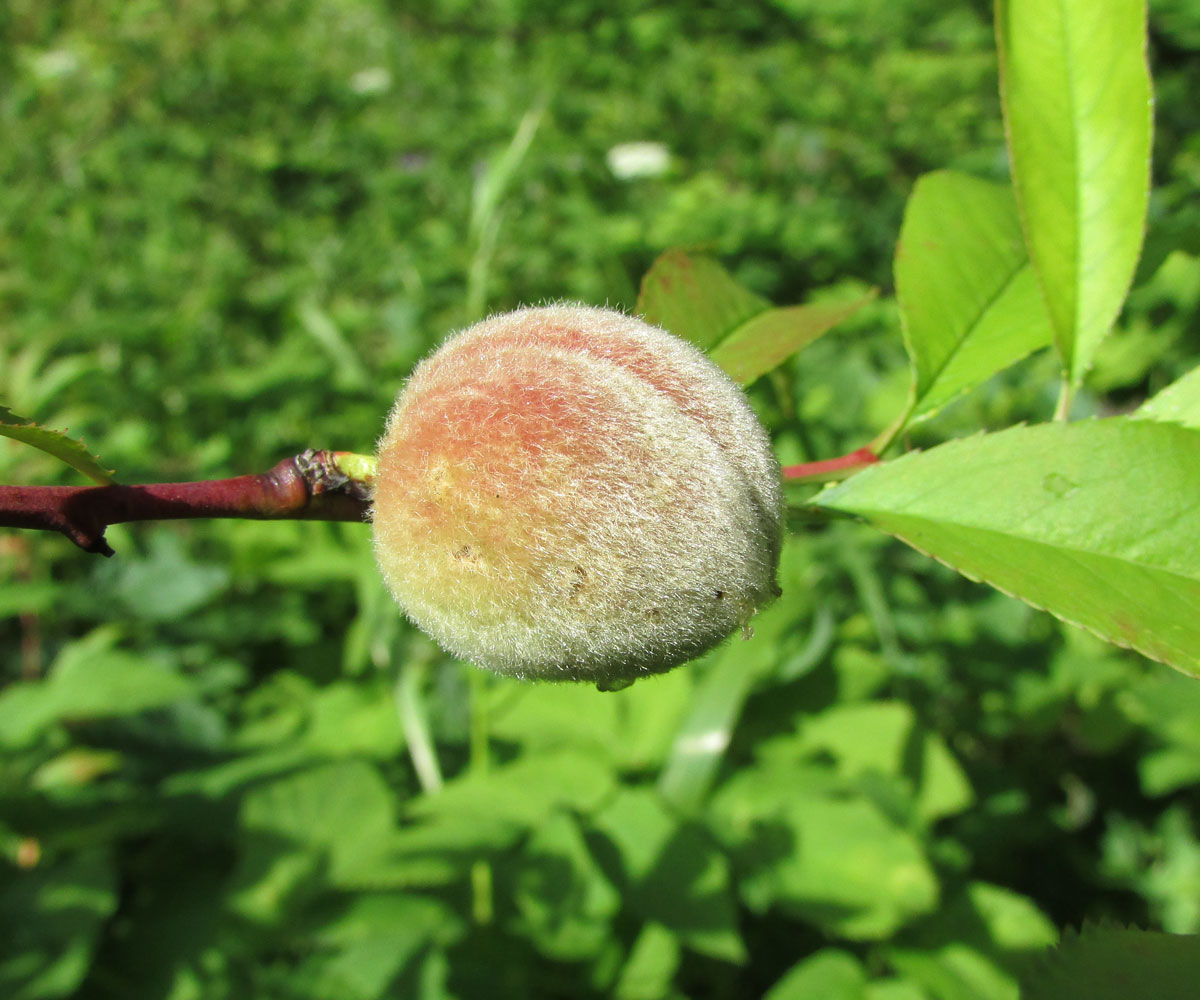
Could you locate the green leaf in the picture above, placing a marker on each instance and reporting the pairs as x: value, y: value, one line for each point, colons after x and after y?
x: 1094, y: 522
x: 1077, y: 104
x: 1178, y: 403
x: 53, y: 916
x: 885, y: 738
x: 1101, y: 963
x: 26, y: 597
x: 770, y: 338
x: 523, y: 793
x: 87, y: 681
x: 487, y: 812
x: 55, y: 443
x: 1011, y: 922
x: 541, y: 717
x: 672, y: 873
x: 565, y: 901
x: 341, y: 808
x: 651, y: 965
x: 894, y: 989
x: 690, y: 890
x: 829, y: 974
x: 969, y: 301
x: 966, y: 950
x: 633, y: 727
x: 833, y: 860
x: 1167, y: 706
x: 695, y: 298
x: 354, y: 719
x: 356, y: 951
x: 331, y: 822
x: 167, y: 584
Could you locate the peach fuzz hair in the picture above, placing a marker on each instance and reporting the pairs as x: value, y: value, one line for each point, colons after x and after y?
x: 568, y: 493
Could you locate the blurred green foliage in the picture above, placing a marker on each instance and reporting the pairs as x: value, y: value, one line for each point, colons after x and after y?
x: 228, y: 769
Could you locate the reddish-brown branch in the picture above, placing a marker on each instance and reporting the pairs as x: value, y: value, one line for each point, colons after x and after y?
x: 306, y: 487
x: 830, y: 468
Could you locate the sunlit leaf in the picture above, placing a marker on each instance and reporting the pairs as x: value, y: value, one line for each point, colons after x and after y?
x: 56, y: 443
x: 885, y: 738
x: 1077, y: 104
x: 1095, y: 522
x: 833, y: 860
x: 672, y: 873
x: 1178, y: 403
x: 362, y: 947
x: 965, y: 951
x: 523, y: 793
x: 342, y: 810
x: 651, y: 965
x: 829, y: 974
x: 770, y: 338
x: 969, y: 302
x: 695, y: 298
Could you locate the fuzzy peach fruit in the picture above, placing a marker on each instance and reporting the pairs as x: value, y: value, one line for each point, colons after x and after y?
x: 569, y: 493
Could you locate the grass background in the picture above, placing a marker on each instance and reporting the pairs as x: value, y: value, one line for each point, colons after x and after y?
x: 229, y: 770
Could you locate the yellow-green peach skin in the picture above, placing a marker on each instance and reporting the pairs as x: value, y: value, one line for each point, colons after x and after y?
x: 568, y: 493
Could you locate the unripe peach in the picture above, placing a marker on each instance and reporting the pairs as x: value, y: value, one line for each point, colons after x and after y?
x: 572, y: 494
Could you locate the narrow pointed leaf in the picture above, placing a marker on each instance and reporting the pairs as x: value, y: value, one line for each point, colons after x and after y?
x: 55, y: 443
x: 1178, y: 403
x: 969, y: 302
x: 695, y: 298
x: 770, y: 338
x: 1077, y: 105
x: 1097, y: 522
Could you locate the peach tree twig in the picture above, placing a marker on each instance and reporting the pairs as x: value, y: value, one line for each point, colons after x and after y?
x: 312, y: 486
x: 830, y: 469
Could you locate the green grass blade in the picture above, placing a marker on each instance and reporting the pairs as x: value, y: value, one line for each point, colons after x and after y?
x: 1077, y: 105
x: 1095, y: 522
x: 969, y: 302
